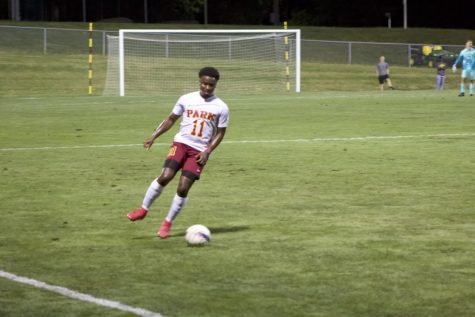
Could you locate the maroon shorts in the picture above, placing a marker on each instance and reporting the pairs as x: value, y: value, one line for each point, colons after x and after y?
x: 182, y: 156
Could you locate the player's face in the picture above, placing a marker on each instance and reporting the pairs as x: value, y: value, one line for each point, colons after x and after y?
x: 469, y: 44
x: 207, y: 86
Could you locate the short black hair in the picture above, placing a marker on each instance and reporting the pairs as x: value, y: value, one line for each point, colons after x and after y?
x: 209, y: 71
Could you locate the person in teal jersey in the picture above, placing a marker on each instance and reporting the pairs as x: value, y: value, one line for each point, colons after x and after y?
x: 468, y: 67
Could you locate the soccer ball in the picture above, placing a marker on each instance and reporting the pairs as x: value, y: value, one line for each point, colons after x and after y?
x: 197, y: 235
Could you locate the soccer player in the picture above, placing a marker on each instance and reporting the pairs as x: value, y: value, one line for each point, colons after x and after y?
x: 382, y: 71
x: 204, y: 121
x: 440, y: 78
x: 468, y: 67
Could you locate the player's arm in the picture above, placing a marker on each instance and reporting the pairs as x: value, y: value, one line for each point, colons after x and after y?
x: 459, y: 58
x: 202, y: 157
x: 161, y: 129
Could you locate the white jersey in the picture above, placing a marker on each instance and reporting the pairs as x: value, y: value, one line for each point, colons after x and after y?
x: 200, y: 119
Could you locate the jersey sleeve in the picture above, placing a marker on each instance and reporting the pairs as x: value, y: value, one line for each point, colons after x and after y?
x: 459, y: 58
x: 223, y: 118
x: 179, y: 107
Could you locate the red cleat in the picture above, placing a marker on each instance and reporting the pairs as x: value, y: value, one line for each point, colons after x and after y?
x: 164, y: 229
x: 137, y: 214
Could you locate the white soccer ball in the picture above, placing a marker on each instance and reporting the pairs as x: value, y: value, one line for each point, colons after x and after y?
x: 197, y: 235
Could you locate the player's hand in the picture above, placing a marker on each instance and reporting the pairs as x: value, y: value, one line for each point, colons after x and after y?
x: 147, y: 144
x: 202, y: 158
x: 454, y: 68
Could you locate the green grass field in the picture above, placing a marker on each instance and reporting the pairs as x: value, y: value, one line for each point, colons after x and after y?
x: 355, y: 204
x: 338, y: 201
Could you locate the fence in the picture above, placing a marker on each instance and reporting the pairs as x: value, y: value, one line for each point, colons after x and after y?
x: 75, y: 41
x: 51, y: 40
x: 403, y: 54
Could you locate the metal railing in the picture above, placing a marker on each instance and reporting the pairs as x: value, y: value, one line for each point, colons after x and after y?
x: 75, y: 41
x: 51, y: 40
x: 345, y: 52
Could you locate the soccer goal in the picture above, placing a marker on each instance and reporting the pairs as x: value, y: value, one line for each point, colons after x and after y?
x: 158, y: 61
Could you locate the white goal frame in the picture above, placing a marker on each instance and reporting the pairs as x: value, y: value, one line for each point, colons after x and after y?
x: 122, y: 32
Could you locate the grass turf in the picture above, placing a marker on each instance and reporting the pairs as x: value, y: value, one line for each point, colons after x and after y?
x: 320, y: 204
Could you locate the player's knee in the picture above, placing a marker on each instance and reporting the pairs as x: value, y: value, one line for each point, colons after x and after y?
x: 182, y: 191
x: 165, y: 177
x: 163, y: 181
x: 184, y: 186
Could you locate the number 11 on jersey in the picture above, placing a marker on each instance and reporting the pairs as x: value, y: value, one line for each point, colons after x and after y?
x: 198, y: 124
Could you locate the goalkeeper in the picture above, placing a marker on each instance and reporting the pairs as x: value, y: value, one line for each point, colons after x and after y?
x: 468, y: 67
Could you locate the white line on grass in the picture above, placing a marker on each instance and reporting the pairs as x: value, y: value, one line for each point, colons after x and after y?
x: 363, y: 138
x: 81, y: 296
x: 67, y: 147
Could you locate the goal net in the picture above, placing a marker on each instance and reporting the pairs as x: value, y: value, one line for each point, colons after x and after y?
x: 156, y: 61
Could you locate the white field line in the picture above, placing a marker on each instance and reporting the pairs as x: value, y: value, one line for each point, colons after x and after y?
x: 67, y: 147
x: 80, y: 296
x: 362, y: 138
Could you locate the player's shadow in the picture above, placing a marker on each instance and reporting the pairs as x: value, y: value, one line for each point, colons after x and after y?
x: 214, y: 230
x: 217, y: 230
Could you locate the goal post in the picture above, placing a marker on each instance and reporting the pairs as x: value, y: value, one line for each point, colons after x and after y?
x: 157, y: 61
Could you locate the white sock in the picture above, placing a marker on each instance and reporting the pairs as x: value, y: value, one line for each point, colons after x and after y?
x: 153, y: 192
x: 177, y: 205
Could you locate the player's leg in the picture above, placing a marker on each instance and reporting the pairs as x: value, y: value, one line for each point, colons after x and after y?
x: 181, y: 197
x: 171, y: 166
x: 153, y: 192
x: 191, y: 172
x: 157, y: 186
x: 390, y: 85
x: 442, y: 82
x: 177, y: 205
x: 471, y: 85
x: 462, y: 84
x: 438, y: 82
